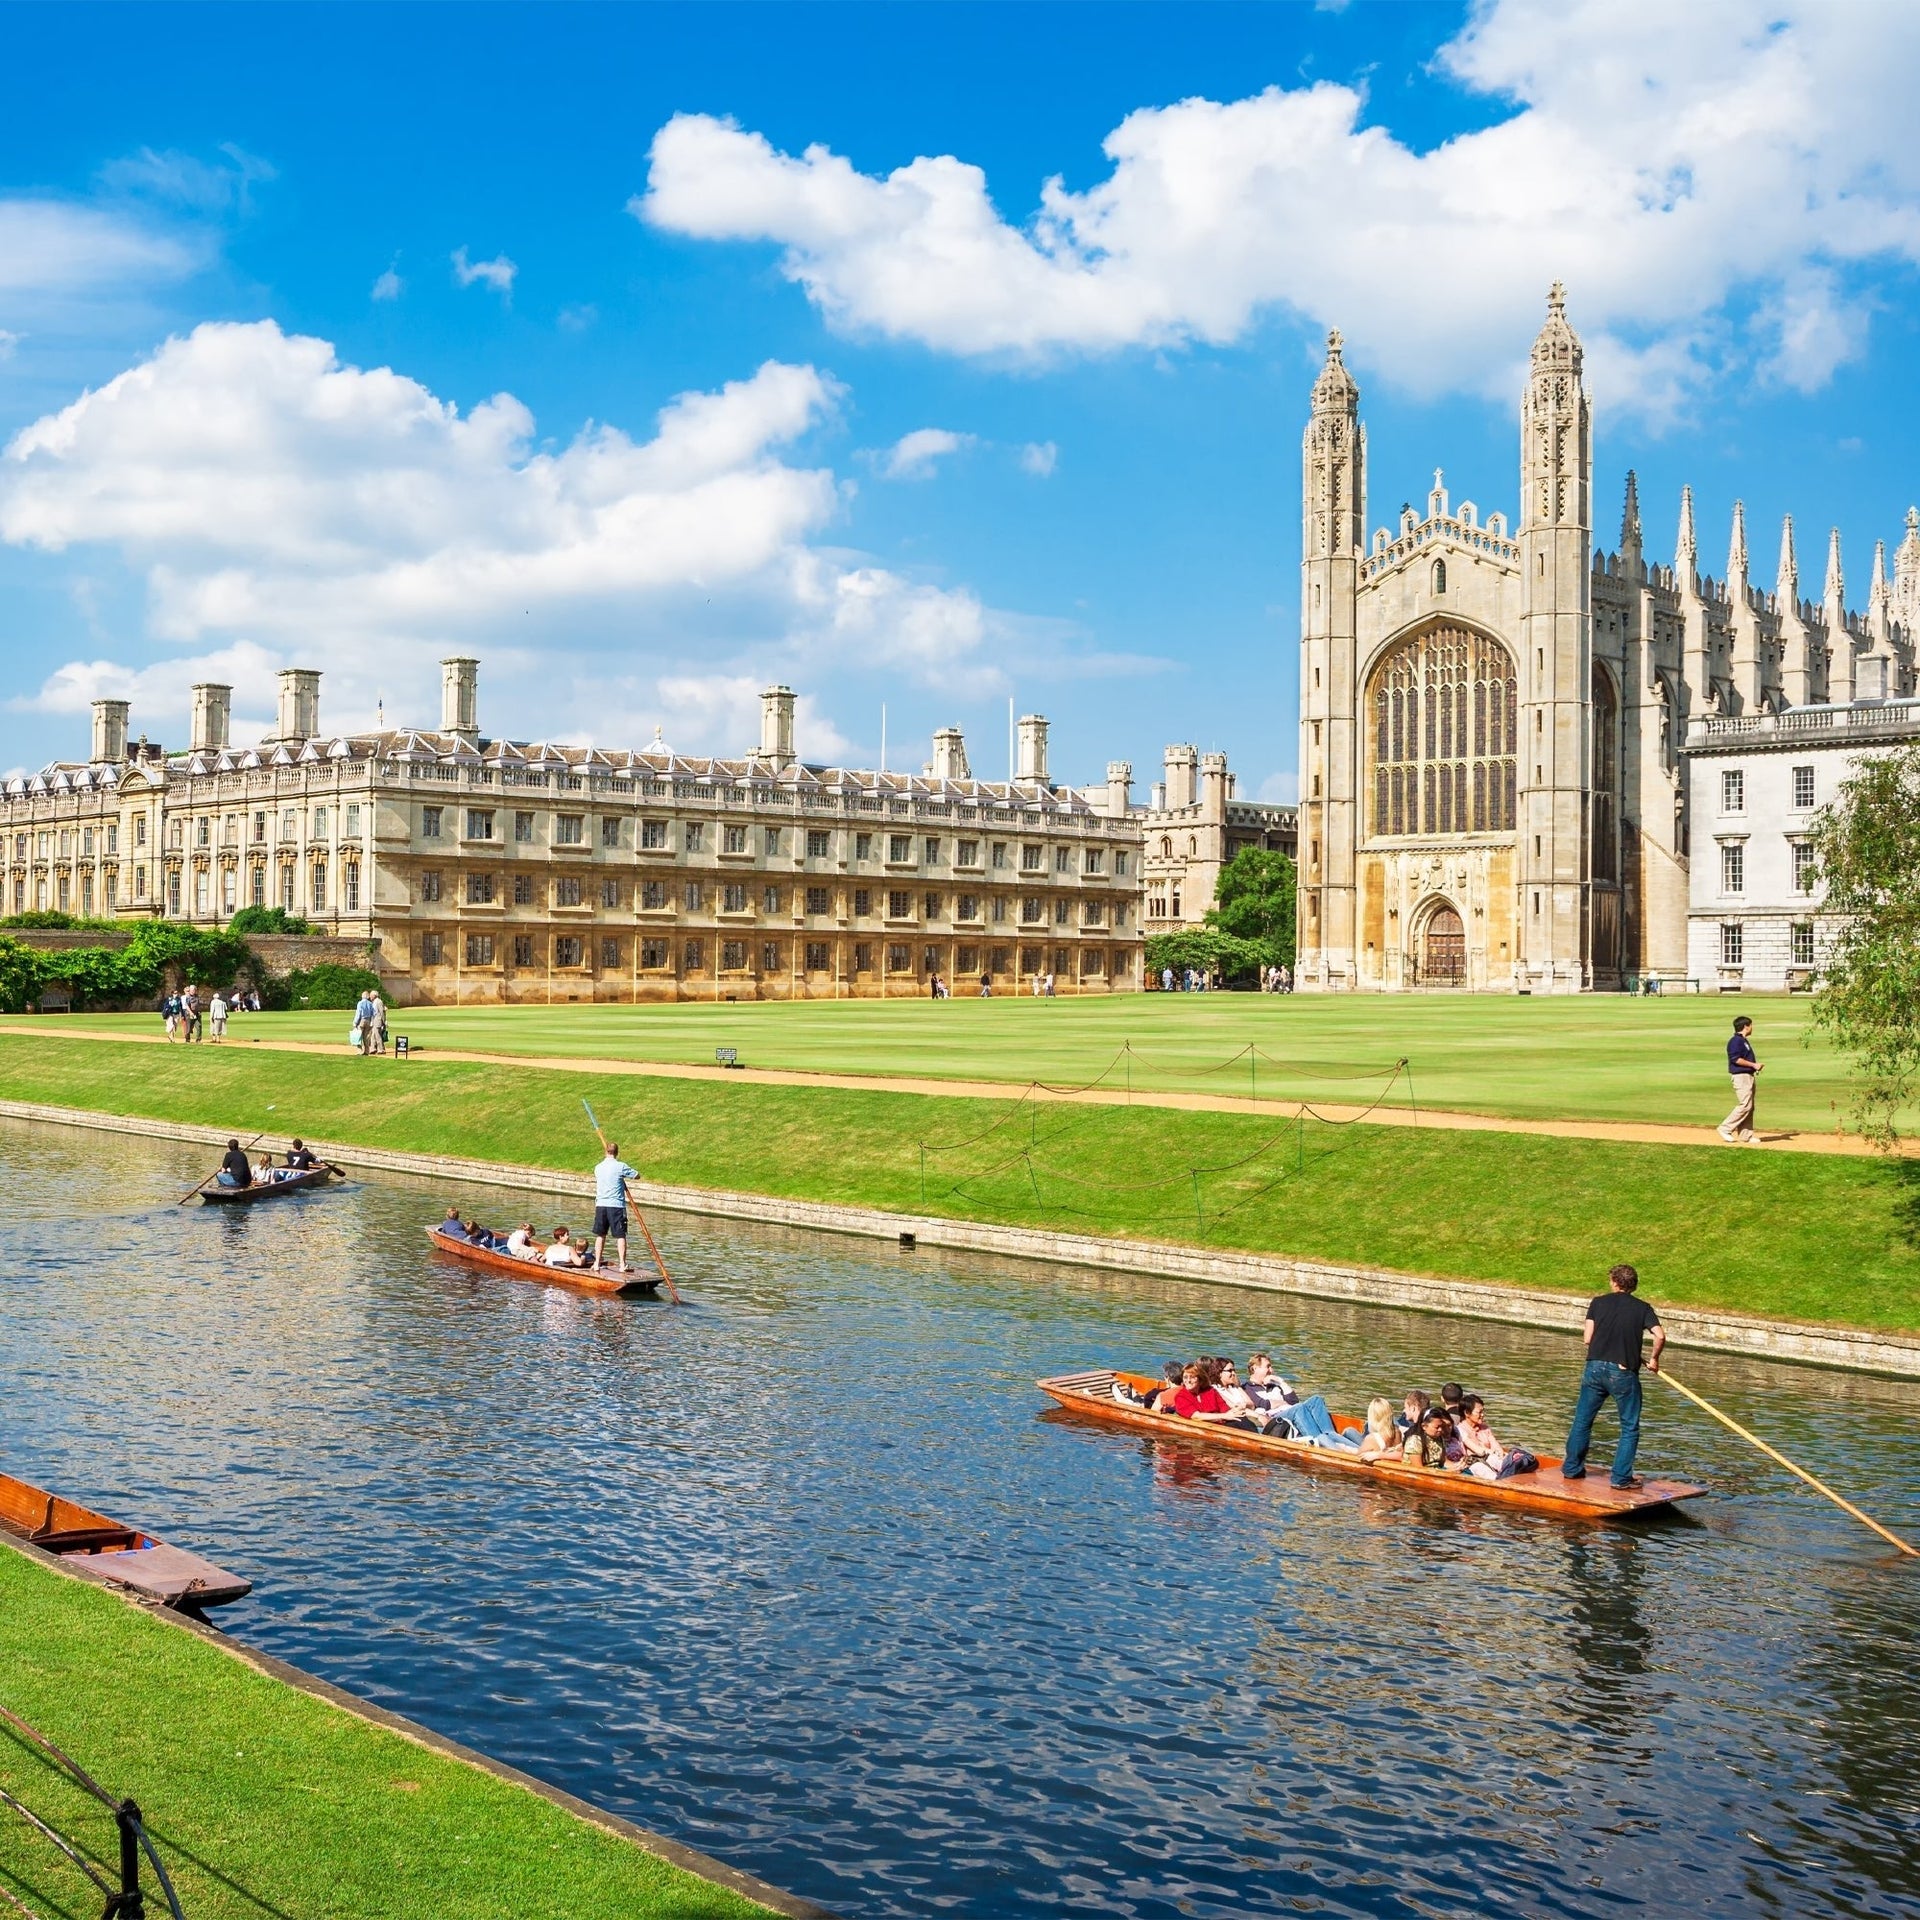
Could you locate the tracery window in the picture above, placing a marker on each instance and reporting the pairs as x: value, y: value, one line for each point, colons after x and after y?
x: 1606, y: 778
x: 1444, y: 719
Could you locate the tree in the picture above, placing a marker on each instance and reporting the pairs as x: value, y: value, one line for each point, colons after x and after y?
x: 268, y: 920
x: 1867, y: 854
x: 1254, y: 901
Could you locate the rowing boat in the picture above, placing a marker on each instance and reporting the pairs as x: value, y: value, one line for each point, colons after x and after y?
x: 1543, y: 1491
x: 581, y: 1279
x: 215, y: 1195
x: 104, y: 1550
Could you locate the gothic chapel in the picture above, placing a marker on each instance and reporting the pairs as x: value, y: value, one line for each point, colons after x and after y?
x: 1493, y: 723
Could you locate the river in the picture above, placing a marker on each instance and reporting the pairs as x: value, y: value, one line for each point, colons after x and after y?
x: 803, y: 1574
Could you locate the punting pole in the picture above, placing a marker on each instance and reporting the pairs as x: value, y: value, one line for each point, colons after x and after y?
x: 1846, y: 1506
x: 673, y: 1292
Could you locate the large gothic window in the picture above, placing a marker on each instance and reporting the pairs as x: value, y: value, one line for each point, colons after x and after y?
x: 1606, y: 777
x: 1443, y: 711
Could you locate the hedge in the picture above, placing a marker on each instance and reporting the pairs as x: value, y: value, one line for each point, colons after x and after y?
x: 97, y: 975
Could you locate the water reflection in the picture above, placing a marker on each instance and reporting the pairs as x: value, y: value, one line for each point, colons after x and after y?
x: 804, y: 1574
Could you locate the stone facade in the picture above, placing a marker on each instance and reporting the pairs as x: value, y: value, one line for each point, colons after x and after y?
x: 1494, y: 723
x: 1192, y: 827
x: 1757, y: 782
x: 485, y: 869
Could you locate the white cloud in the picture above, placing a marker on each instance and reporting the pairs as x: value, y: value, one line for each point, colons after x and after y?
x: 8, y: 341
x: 498, y: 272
x: 1678, y: 168
x: 284, y: 508
x: 1039, y: 458
x: 914, y: 455
x: 389, y: 286
x: 185, y: 180
x: 57, y: 247
x: 1280, y: 789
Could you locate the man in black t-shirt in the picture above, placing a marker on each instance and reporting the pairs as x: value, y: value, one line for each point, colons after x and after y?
x: 1744, y: 1070
x: 1617, y: 1320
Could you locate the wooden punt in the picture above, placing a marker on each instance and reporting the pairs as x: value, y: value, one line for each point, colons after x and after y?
x: 104, y: 1550
x: 580, y: 1279
x: 1544, y: 1491
x: 217, y: 1196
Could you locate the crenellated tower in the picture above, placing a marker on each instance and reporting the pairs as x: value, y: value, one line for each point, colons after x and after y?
x: 1555, y: 667
x: 1334, y: 497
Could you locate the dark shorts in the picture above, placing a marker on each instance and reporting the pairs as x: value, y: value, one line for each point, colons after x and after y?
x: 611, y: 1220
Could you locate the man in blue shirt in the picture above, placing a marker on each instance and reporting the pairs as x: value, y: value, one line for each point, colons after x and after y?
x: 610, y: 1179
x: 1737, y: 1128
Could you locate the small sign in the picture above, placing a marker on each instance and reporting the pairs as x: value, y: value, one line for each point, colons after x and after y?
x: 400, y: 1047
x: 727, y: 1056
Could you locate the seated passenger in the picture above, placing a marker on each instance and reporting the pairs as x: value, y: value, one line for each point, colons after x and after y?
x: 1413, y: 1411
x: 1383, y: 1436
x: 1162, y: 1398
x: 1452, y: 1395
x: 1486, y: 1458
x: 563, y: 1253
x: 1266, y: 1387
x: 520, y: 1242
x: 1226, y: 1383
x: 1198, y: 1401
x: 451, y: 1225
x: 1428, y: 1445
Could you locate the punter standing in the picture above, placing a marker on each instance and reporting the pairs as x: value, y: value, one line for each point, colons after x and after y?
x: 1737, y: 1128
x: 610, y: 1179
x: 1616, y: 1322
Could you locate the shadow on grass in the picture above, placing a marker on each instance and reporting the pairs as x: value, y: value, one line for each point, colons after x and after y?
x: 1905, y: 1175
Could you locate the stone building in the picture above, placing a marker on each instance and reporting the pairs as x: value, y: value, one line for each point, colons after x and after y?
x: 1194, y: 824
x: 1494, y: 720
x: 1757, y: 783
x: 485, y: 869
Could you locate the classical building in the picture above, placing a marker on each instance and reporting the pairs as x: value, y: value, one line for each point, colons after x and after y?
x: 484, y: 869
x: 1494, y: 720
x: 1193, y: 825
x: 1756, y: 785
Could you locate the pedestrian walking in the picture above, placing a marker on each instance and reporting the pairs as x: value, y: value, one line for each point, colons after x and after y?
x: 1166, y: 979
x: 170, y: 1013
x: 1744, y: 1070
x: 364, y: 1027
x: 379, y: 1022
x: 190, y: 1012
x: 1617, y: 1321
x: 217, y: 1014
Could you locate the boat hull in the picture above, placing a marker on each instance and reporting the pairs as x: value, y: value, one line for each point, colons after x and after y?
x: 119, y: 1556
x: 580, y: 1279
x: 1090, y: 1396
x: 216, y: 1196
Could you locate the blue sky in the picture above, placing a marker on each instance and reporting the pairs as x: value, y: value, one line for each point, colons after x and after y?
x: 654, y: 353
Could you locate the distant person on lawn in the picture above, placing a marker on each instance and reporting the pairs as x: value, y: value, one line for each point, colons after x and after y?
x: 1737, y: 1128
x: 1616, y: 1322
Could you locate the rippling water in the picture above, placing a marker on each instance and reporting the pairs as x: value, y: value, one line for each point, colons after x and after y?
x: 803, y: 1575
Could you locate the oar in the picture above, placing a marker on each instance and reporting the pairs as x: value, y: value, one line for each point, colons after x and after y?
x: 673, y: 1292
x: 248, y: 1148
x: 1846, y: 1506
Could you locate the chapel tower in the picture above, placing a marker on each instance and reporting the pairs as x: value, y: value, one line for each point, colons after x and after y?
x: 1333, y: 534
x: 1555, y: 910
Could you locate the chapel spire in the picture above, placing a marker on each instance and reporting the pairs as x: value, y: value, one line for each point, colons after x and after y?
x: 1834, y: 593
x: 1786, y: 586
x: 1630, y: 516
x: 1686, y: 550
x: 1737, y: 549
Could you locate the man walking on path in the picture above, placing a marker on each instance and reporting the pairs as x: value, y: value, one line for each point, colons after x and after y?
x: 1616, y: 1320
x: 1737, y: 1128
x: 610, y: 1179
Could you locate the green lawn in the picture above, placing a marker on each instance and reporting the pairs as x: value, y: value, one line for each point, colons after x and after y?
x: 1802, y: 1236
x: 267, y: 1801
x: 1592, y: 1057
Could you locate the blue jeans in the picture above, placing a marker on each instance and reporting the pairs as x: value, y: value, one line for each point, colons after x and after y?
x: 1600, y: 1381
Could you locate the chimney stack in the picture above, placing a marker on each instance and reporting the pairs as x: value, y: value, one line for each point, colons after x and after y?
x: 212, y: 713
x: 110, y: 732
x: 776, y: 727
x: 950, y: 756
x: 1033, y: 748
x: 299, y: 704
x: 460, y: 699
x: 1119, y: 788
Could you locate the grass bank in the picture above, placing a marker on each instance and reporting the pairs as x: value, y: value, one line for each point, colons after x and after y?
x: 1584, y: 1057
x: 1797, y: 1236
x: 265, y: 1800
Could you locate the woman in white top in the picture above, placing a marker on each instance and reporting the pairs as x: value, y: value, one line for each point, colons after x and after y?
x: 520, y: 1242
x: 563, y: 1253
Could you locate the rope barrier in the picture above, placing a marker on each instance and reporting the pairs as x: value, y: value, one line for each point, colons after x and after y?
x: 126, y: 1899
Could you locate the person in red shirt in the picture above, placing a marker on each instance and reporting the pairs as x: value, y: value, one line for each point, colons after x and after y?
x: 1196, y: 1400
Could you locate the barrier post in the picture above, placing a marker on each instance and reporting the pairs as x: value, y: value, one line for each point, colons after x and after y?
x: 129, y: 1903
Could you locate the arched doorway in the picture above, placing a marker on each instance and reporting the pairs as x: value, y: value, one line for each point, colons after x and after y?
x: 1443, y: 949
